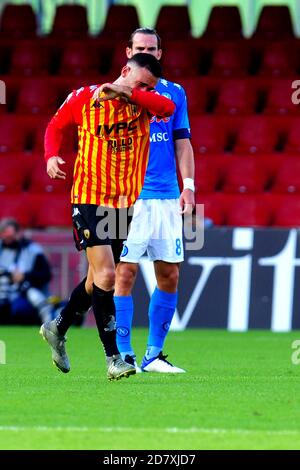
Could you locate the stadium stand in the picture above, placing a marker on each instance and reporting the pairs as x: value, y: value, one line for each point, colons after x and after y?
x: 245, y: 174
x: 278, y: 100
x: 36, y: 97
x: 70, y: 22
x: 286, y: 211
x: 237, y: 96
x: 224, y: 23
x: 29, y: 59
x: 167, y: 21
x: 120, y: 22
x: 278, y: 59
x: 78, y: 59
x: 18, y: 21
x: 274, y: 23
x: 247, y: 211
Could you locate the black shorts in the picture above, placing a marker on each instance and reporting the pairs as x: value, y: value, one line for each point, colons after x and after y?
x: 97, y: 225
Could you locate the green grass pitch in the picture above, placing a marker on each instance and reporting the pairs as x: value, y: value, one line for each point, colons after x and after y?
x: 241, y: 391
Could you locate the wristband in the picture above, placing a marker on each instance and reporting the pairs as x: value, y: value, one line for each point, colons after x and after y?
x: 188, y: 183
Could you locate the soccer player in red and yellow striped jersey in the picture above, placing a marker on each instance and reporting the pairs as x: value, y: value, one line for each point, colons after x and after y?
x: 113, y: 128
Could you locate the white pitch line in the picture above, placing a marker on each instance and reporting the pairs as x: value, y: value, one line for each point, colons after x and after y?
x: 164, y: 430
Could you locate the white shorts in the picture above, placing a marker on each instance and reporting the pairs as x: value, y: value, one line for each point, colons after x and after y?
x: 156, y: 227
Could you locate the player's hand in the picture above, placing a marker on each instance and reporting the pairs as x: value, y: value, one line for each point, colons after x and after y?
x: 109, y: 91
x: 187, y: 201
x: 53, y: 169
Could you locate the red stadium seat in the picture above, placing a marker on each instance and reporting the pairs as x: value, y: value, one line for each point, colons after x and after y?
x: 40, y: 182
x: 287, y: 178
x: 18, y: 21
x: 177, y: 62
x: 286, y: 211
x: 18, y: 206
x: 279, y: 60
x: 69, y: 141
x: 173, y: 22
x: 213, y: 207
x: 247, y: 211
x: 230, y: 60
x: 279, y: 98
x: 256, y: 135
x: 208, y: 173
x: 52, y: 210
x: 117, y: 60
x: 293, y: 138
x: 13, y: 134
x: 208, y: 136
x: 70, y: 22
x: 121, y: 21
x: 245, y: 174
x: 79, y: 59
x: 274, y: 23
x: 236, y: 97
x: 196, y: 93
x: 224, y: 23
x: 37, y: 96
x: 29, y: 59
x: 12, y: 174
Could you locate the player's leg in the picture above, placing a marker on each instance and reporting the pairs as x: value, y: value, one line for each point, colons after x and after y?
x: 166, y: 252
x: 161, y: 311
x: 79, y: 302
x: 54, y: 331
x: 134, y: 247
x: 101, y: 262
x: 125, y: 278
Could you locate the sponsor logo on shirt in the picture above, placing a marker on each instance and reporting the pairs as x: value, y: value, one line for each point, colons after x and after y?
x: 159, y: 137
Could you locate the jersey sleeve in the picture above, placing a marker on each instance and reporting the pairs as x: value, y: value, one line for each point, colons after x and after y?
x: 69, y: 113
x: 181, y: 124
x: 155, y: 103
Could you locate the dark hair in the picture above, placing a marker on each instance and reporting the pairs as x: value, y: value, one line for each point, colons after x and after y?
x: 147, y: 61
x: 149, y: 31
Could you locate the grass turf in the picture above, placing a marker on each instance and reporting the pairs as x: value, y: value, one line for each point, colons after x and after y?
x: 241, y: 391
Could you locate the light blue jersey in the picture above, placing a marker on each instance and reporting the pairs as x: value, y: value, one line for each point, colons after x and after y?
x: 161, y: 178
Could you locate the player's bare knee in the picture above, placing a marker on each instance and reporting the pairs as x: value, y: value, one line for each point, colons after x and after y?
x: 167, y: 278
x: 105, y: 279
x: 125, y: 277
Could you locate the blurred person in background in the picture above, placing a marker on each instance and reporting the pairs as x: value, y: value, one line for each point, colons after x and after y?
x: 24, y: 277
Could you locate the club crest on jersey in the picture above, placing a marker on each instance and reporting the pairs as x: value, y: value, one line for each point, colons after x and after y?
x: 124, y: 251
x: 167, y: 95
x: 86, y: 233
x: 97, y: 104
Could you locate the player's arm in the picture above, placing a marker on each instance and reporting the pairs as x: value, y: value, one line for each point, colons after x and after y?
x: 69, y: 113
x: 185, y: 156
x: 150, y: 100
x: 155, y: 103
x: 184, y: 153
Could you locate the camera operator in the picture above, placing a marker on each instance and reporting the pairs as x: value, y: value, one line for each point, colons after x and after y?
x: 24, y: 277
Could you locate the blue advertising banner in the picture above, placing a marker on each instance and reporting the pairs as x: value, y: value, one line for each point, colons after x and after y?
x: 242, y: 278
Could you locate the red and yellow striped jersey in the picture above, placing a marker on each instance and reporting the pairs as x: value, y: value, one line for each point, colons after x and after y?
x: 113, y: 147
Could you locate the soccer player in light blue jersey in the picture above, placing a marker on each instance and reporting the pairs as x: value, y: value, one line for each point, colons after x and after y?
x: 157, y: 221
